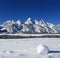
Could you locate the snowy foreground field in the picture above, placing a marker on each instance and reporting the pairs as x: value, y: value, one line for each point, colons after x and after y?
x: 28, y: 48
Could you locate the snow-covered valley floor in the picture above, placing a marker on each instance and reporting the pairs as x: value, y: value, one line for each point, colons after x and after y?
x: 26, y: 48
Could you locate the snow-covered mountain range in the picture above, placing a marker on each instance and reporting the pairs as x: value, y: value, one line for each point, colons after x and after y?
x: 29, y: 27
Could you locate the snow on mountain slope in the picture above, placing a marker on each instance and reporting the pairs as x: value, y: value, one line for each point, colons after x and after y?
x: 8, y: 25
x: 53, y: 27
x: 28, y: 26
x: 58, y: 27
x: 11, y: 26
x: 38, y: 28
x: 42, y: 27
x: 45, y: 25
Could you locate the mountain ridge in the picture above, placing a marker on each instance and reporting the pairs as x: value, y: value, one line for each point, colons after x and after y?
x: 28, y: 27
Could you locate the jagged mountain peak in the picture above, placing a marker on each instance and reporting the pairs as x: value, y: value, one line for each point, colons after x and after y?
x: 36, y: 22
x: 50, y: 24
x: 9, y: 22
x: 42, y: 21
x: 28, y: 21
x: 18, y: 22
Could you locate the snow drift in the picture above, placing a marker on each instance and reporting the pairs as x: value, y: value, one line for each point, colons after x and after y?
x: 42, y: 49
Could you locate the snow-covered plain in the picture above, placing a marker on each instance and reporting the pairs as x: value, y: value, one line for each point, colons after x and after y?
x: 27, y: 48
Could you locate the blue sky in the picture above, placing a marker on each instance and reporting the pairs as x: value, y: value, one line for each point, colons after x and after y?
x: 48, y: 10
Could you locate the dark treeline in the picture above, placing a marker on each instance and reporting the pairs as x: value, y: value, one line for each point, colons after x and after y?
x: 22, y: 37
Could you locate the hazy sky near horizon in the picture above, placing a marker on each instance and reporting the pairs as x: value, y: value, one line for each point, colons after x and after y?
x: 48, y: 10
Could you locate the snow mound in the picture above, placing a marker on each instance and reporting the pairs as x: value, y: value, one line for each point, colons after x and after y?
x: 42, y: 49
